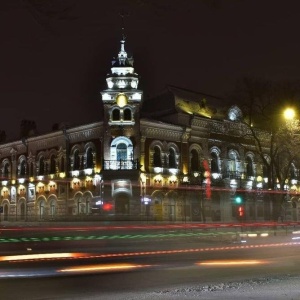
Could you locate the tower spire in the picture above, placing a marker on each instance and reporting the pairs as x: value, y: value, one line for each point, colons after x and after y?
x: 122, y: 54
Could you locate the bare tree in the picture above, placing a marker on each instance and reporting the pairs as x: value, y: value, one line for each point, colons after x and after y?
x: 276, y: 139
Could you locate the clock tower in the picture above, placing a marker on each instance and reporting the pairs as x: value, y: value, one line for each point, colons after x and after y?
x: 122, y: 102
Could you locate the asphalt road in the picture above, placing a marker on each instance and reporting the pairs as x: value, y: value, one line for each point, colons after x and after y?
x: 146, y: 265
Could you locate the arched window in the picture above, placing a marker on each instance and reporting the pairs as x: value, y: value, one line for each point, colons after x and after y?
x: 127, y: 114
x: 249, y: 167
x: 122, y: 151
x: 214, y: 163
x: 62, y: 164
x: 52, y: 208
x: 89, y: 159
x: 292, y: 172
x: 23, y: 168
x: 52, y: 165
x: 172, y: 158
x: 116, y: 115
x: 157, y: 157
x: 194, y: 160
x: 232, y: 161
x: 76, y: 160
x: 41, y: 166
x: 31, y: 172
x: 6, y: 170
x: 265, y: 171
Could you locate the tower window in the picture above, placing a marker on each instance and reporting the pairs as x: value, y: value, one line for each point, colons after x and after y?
x: 116, y: 115
x: 127, y: 114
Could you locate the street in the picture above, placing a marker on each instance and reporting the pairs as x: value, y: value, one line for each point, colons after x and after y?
x: 144, y: 264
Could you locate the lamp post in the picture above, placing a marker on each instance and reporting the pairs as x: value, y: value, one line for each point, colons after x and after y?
x: 259, y: 186
x: 185, y: 181
x: 145, y: 199
x: 197, y: 179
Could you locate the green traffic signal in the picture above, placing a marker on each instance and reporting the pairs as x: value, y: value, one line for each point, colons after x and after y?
x: 238, y: 199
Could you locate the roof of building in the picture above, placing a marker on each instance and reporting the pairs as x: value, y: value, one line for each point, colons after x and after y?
x: 179, y: 100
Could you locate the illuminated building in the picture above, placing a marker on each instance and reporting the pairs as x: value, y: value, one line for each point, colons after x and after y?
x: 178, y: 156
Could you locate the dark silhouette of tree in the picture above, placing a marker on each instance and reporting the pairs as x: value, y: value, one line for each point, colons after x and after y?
x: 276, y: 139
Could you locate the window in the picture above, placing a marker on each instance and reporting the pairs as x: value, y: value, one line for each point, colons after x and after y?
x: 31, y: 173
x: 127, y: 114
x: 194, y: 160
x: 52, y: 165
x: 6, y: 170
x: 23, y: 168
x: 76, y: 158
x: 172, y: 158
x: 122, y: 151
x: 214, y: 163
x: 52, y: 208
x: 249, y: 167
x: 41, y: 166
x: 235, y: 114
x: 232, y: 163
x: 157, y: 157
x: 292, y: 172
x: 89, y: 159
x: 116, y: 115
x: 62, y: 164
x: 265, y: 171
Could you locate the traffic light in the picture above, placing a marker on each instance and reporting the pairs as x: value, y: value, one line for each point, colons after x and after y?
x: 241, y: 211
x: 238, y: 199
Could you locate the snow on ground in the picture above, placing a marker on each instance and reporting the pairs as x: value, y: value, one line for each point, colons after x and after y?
x: 272, y: 288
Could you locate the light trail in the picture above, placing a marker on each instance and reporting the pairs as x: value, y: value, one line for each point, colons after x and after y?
x: 151, y: 226
x: 51, y: 256
x: 101, y: 268
x: 231, y: 262
x: 41, y: 256
x: 134, y: 236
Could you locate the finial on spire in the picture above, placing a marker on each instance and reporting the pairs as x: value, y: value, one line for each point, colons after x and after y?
x: 123, y: 15
x: 122, y: 54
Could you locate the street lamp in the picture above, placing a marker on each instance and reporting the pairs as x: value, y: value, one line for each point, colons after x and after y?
x: 200, y: 180
x: 185, y: 181
x: 289, y: 114
x: 145, y: 199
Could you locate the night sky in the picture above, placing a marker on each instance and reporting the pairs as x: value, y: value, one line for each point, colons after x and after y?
x: 55, y: 54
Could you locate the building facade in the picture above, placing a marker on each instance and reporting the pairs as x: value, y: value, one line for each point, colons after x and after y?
x: 179, y: 156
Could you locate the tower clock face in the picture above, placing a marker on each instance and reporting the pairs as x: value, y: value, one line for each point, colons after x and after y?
x: 122, y: 100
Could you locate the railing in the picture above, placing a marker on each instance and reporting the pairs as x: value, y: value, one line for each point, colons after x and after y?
x: 121, y: 164
x: 237, y: 175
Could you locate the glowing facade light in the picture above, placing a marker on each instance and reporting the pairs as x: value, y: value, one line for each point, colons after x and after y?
x: 75, y: 173
x: 106, y: 96
x: 88, y: 171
